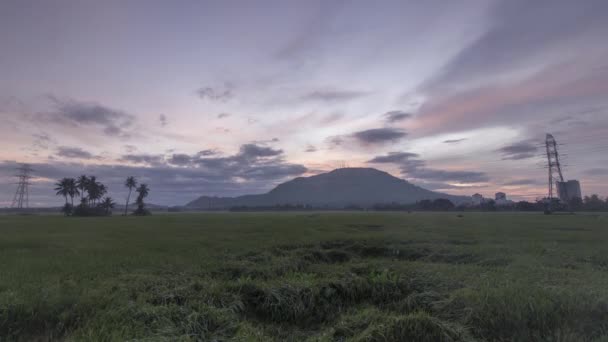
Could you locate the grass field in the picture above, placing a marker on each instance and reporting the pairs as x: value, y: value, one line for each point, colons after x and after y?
x: 305, y: 277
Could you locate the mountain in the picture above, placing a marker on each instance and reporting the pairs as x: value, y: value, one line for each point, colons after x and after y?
x: 336, y: 189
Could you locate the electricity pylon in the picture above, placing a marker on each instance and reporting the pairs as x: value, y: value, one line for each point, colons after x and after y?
x: 22, y: 195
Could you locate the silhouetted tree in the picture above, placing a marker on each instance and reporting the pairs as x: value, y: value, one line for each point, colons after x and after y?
x: 527, y: 206
x: 82, y: 184
x: 107, y: 205
x: 439, y: 204
x: 72, y: 190
x: 66, y: 187
x: 489, y: 205
x: 63, y: 188
x: 424, y: 205
x: 442, y: 204
x: 142, y: 192
x: 576, y: 204
x: 593, y: 203
x: 96, y: 190
x: 130, y: 183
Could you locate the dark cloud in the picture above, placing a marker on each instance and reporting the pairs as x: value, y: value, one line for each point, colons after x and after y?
x: 204, y: 153
x: 396, y: 116
x: 73, y: 152
x: 379, y: 135
x: 130, y: 148
x: 255, y: 151
x: 176, y: 179
x: 112, y: 121
x: 374, y: 136
x: 150, y: 159
x: 163, y: 120
x: 219, y: 94
x: 180, y: 159
x: 223, y: 115
x: 112, y: 130
x: 251, y: 161
x: 518, y: 151
x: 416, y: 168
x: 333, y: 95
x: 454, y: 141
x: 169, y: 185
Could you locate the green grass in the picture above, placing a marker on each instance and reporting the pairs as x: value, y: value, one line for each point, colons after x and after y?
x: 305, y: 277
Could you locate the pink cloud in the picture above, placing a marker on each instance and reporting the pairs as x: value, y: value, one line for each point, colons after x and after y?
x: 489, y: 105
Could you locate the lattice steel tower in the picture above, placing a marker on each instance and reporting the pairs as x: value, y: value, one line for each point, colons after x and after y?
x: 554, y: 166
x: 22, y: 195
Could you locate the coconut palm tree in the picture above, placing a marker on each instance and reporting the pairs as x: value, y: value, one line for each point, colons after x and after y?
x: 130, y: 183
x: 102, y: 189
x: 142, y: 192
x: 72, y: 190
x: 63, y: 188
x: 82, y: 182
x: 107, y: 205
x: 95, y: 189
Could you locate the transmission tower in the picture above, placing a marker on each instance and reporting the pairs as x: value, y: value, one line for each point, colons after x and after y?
x: 554, y: 166
x: 22, y: 195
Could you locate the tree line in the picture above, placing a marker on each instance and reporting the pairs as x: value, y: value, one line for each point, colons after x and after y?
x: 588, y: 203
x: 93, y: 196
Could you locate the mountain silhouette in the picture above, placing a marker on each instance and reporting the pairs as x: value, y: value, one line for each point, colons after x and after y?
x: 362, y: 187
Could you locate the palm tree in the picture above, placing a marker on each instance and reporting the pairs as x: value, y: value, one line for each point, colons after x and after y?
x: 82, y: 183
x: 72, y: 189
x: 142, y: 192
x: 95, y: 189
x: 63, y: 188
x: 130, y: 183
x: 107, y: 205
x: 102, y: 189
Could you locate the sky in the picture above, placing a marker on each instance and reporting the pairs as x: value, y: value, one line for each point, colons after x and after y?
x: 234, y: 97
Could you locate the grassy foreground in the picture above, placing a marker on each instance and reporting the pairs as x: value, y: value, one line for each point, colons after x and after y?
x: 305, y: 277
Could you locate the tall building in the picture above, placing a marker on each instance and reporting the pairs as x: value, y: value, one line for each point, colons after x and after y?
x: 568, y: 190
x: 500, y: 196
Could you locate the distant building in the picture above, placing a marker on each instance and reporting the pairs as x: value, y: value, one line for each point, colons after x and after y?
x: 568, y: 190
x: 477, y: 199
x: 500, y: 196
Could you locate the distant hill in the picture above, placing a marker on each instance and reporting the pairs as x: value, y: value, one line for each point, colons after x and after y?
x: 336, y: 189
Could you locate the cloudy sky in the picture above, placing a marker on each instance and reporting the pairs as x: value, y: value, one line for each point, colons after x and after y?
x: 231, y: 97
